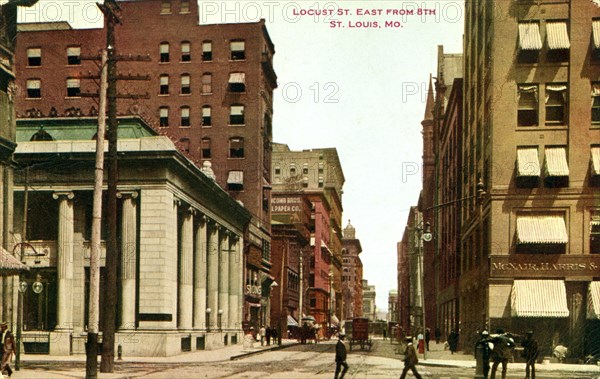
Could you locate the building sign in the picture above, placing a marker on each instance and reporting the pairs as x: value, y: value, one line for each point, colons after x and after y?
x: 286, y: 204
x: 253, y: 290
x: 533, y: 265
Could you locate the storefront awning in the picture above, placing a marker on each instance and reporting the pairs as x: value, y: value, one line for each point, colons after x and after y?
x: 596, y: 33
x: 556, y: 161
x: 539, y: 298
x: 10, y: 265
x: 528, y: 163
x: 541, y: 229
x: 595, y: 158
x: 529, y: 36
x: 593, y: 310
x: 557, y: 35
x: 334, y: 320
x: 292, y: 321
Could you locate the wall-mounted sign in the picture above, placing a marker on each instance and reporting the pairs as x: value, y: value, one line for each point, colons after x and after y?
x: 534, y: 265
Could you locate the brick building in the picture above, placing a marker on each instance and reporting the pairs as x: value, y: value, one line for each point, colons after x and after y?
x: 352, y: 272
x: 529, y: 234
x: 210, y: 90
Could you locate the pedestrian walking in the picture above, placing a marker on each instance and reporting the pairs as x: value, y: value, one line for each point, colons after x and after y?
x: 340, y: 357
x: 420, y: 342
x: 410, y: 359
x: 385, y: 333
x: 483, y: 347
x: 530, y: 353
x: 504, y: 346
x: 7, y: 347
x: 427, y: 338
x: 437, y: 334
x: 269, y: 334
x: 453, y: 341
x: 262, y: 332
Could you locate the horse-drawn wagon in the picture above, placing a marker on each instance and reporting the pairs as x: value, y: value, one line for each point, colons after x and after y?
x: 359, y: 335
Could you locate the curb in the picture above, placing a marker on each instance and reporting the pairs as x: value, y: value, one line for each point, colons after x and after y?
x: 274, y: 348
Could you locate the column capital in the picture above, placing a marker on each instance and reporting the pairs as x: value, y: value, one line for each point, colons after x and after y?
x: 68, y: 194
x: 125, y: 194
x: 191, y: 210
x: 176, y: 201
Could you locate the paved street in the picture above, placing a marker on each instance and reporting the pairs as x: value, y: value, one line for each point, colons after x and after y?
x: 294, y: 361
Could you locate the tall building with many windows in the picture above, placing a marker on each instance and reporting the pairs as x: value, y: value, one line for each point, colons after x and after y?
x: 210, y: 89
x: 352, y: 272
x: 531, y: 165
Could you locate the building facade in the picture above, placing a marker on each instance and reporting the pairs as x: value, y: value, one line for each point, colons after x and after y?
x: 210, y: 89
x: 393, y: 307
x: 181, y: 235
x: 369, y: 305
x: 317, y: 175
x: 352, y: 270
x: 529, y: 251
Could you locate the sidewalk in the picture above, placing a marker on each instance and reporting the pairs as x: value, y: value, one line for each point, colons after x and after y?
x: 73, y: 366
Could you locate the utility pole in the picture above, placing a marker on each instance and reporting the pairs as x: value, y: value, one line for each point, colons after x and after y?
x: 300, y: 298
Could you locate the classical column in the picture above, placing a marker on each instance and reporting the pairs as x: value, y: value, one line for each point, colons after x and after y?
x: 240, y: 288
x: 213, y: 274
x: 186, y: 267
x: 234, y: 283
x: 128, y: 258
x: 200, y: 274
x: 65, y: 259
x: 224, y: 278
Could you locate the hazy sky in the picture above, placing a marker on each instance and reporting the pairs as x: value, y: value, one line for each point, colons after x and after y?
x: 359, y: 89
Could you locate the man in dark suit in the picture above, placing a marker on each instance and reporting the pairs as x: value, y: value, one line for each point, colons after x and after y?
x: 340, y: 357
x: 410, y: 360
x: 530, y: 353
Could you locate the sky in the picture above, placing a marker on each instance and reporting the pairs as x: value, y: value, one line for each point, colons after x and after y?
x: 346, y: 80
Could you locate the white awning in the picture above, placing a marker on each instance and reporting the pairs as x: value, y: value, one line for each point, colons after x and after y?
x: 534, y: 229
x: 34, y: 52
x: 528, y: 163
x: 593, y: 309
x: 539, y: 298
x: 595, y: 159
x: 73, y: 51
x: 9, y: 264
x: 557, y: 35
x: 237, y: 77
x: 596, y: 33
x: 556, y: 161
x: 334, y: 320
x: 292, y: 321
x: 238, y: 46
x: 529, y: 36
x: 235, y: 177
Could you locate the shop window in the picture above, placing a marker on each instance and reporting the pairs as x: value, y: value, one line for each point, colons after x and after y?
x: 556, y: 100
x: 164, y: 116
x: 207, y: 54
x: 238, y: 50
x: 528, y: 105
x: 74, y: 55
x: 34, y: 57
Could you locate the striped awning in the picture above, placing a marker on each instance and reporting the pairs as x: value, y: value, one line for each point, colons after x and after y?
x: 528, y: 163
x: 529, y: 36
x: 534, y: 229
x: 556, y: 161
x: 292, y: 321
x: 539, y: 298
x: 235, y: 177
x: 595, y: 159
x: 593, y: 310
x: 557, y: 35
x: 9, y: 264
x: 596, y: 33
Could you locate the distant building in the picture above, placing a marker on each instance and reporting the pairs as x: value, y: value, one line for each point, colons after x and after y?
x: 352, y: 270
x: 369, y: 305
x: 392, y: 313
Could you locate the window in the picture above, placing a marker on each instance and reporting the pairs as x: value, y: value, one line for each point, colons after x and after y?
x: 596, y: 39
x: 557, y: 36
x: 528, y: 105
x: 235, y: 181
x: 292, y: 169
x: 530, y: 42
x: 34, y: 57
x: 206, y: 153
x: 321, y: 182
x: 164, y: 116
x: 206, y: 115
x: 236, y: 147
x: 236, y: 115
x: 305, y: 169
x: 238, y: 50
x: 556, y: 167
x: 186, y: 52
x: 556, y: 96
x: 595, y: 233
x: 207, y: 51
x: 164, y: 52
x: 185, y: 116
x: 277, y: 170
x: 184, y: 6
x: 541, y: 233
x: 305, y: 182
x: 164, y: 84
x: 237, y: 82
x: 528, y: 167
x: 185, y: 145
x: 73, y: 87
x: 321, y: 167
x: 185, y: 84
x: 266, y: 251
x: 34, y: 88
x: 595, y: 166
x: 165, y: 7
x: 74, y: 55
x: 596, y: 103
x: 207, y: 83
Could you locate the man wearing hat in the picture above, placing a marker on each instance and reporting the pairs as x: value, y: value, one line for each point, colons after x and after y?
x: 410, y: 359
x: 486, y: 348
x: 530, y: 353
x: 340, y: 357
x: 7, y: 346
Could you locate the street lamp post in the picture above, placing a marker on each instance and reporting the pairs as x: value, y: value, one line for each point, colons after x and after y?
x: 208, y: 312
x: 423, y: 236
x: 220, y: 319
